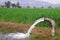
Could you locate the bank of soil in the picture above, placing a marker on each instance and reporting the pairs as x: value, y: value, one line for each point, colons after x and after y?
x: 38, y: 33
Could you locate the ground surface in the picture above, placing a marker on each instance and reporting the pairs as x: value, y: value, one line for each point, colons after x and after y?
x: 38, y: 33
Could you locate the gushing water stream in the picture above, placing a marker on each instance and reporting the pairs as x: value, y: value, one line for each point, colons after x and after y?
x: 14, y: 36
x: 22, y: 36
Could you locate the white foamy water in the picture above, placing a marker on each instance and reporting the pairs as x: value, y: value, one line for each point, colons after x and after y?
x: 33, y: 25
x: 21, y: 36
x: 2, y: 36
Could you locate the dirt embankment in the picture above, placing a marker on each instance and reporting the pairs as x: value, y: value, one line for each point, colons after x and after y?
x: 38, y: 33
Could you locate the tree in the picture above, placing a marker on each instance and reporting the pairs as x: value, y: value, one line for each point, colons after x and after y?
x: 7, y: 4
x: 49, y: 7
x: 13, y: 6
x: 2, y: 6
x: 18, y: 5
x: 42, y: 7
x: 34, y: 7
x: 28, y: 6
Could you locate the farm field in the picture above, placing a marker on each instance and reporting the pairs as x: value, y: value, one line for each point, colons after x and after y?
x: 14, y: 19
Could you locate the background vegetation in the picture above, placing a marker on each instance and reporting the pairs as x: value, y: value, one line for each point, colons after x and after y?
x: 28, y: 16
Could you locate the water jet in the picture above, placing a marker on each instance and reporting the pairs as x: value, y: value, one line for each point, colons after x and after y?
x: 24, y: 36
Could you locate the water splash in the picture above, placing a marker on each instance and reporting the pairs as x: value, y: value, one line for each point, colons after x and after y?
x: 33, y: 25
x: 22, y: 36
x: 2, y: 36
